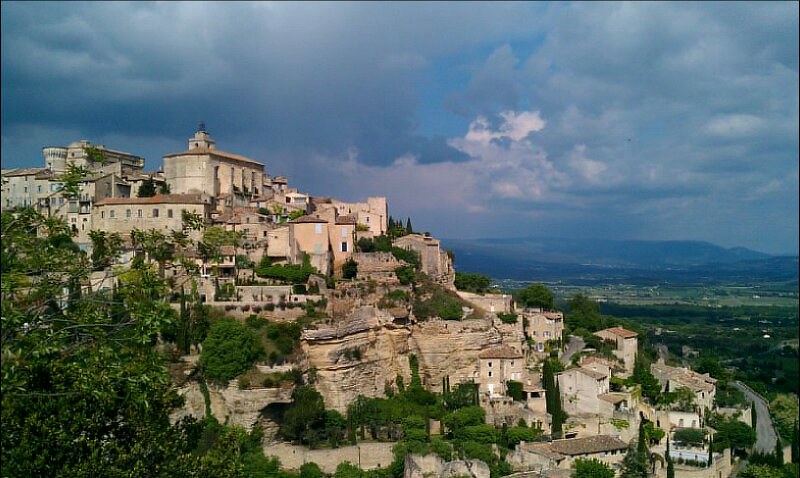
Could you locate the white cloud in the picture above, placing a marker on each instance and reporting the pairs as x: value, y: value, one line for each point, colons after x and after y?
x: 735, y: 125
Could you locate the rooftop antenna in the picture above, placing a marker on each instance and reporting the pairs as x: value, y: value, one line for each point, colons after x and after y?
x: 201, y: 127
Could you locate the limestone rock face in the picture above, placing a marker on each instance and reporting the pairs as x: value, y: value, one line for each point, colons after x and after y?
x: 360, y: 356
x: 237, y: 407
x: 450, y: 348
x: 367, y: 351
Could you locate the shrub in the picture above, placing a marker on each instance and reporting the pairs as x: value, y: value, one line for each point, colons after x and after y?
x: 350, y: 269
x: 228, y: 350
x: 507, y: 318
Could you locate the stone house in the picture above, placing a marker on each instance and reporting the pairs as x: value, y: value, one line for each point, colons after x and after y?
x: 580, y: 390
x: 435, y: 261
x: 625, y: 344
x: 309, y: 235
x: 542, y: 327
x: 161, y: 212
x: 702, y: 385
x: 229, y: 178
x: 561, y: 454
x: 497, y: 366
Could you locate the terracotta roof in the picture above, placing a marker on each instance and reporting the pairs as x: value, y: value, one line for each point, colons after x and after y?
x: 227, y: 250
x: 543, y: 449
x: 346, y: 220
x: 612, y: 397
x: 22, y: 171
x: 598, y: 360
x: 503, y: 352
x: 588, y: 445
x: 619, y: 331
x: 214, y: 152
x: 591, y: 373
x: 157, y: 199
x: 308, y: 219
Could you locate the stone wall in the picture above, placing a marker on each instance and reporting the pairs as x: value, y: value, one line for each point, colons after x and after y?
x: 366, y: 456
x: 426, y: 466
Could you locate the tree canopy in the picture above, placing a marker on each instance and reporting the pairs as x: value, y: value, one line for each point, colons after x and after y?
x: 535, y: 295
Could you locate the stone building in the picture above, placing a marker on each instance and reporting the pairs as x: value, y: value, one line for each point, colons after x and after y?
x: 625, y: 342
x: 309, y: 235
x: 56, y: 158
x: 497, y: 366
x: 543, y: 326
x: 161, y: 212
x: 702, y: 385
x: 435, y: 261
x: 230, y: 179
x: 561, y: 454
x: 580, y: 390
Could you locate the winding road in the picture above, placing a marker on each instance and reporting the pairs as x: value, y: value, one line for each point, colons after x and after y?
x: 765, y: 430
x: 576, y: 344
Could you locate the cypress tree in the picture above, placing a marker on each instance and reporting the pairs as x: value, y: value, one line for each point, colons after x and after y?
x: 710, y: 451
x: 670, y: 465
x: 409, y: 229
x: 795, y: 445
x: 778, y: 452
x: 641, y: 446
x: 753, y: 415
x: 558, y: 414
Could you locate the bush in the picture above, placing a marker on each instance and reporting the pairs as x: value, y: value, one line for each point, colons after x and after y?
x: 255, y: 322
x: 515, y: 390
x: 507, y: 318
x: 350, y: 269
x: 477, y: 283
x: 405, y: 274
x: 692, y: 436
x: 228, y: 350
x: 299, y: 289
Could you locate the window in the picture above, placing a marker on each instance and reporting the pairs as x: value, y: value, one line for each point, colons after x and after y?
x: 155, y: 212
x: 366, y: 219
x: 344, y: 232
x: 490, y: 373
x: 512, y: 363
x: 490, y: 364
x: 169, y: 213
x: 102, y: 214
x: 139, y: 213
x: 127, y: 213
x: 344, y: 247
x: 26, y: 187
x: 111, y: 214
x: 39, y: 188
x: 318, y: 228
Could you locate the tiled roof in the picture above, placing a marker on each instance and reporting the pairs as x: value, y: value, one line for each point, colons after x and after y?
x: 588, y: 445
x: 214, y: 152
x: 157, y: 199
x: 619, y: 331
x: 308, y: 219
x: 591, y: 373
x: 346, y: 220
x: 504, y: 352
x: 21, y: 171
x: 543, y: 449
x: 612, y: 397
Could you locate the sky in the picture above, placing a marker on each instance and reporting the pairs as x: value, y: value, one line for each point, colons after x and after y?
x: 654, y: 121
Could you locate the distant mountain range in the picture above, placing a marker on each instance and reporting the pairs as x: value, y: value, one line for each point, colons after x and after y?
x: 586, y: 260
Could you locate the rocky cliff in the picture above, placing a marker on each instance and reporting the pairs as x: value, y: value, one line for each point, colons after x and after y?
x: 367, y: 350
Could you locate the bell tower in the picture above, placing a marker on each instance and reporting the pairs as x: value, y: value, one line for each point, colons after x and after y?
x: 201, y: 138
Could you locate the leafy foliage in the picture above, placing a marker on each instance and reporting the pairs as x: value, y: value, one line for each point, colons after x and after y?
x: 591, y: 468
x: 147, y: 189
x: 229, y: 350
x: 477, y: 283
x: 291, y: 273
x: 350, y: 269
x: 535, y: 295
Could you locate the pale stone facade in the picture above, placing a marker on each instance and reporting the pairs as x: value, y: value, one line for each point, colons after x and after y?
x: 498, y: 365
x: 702, y: 385
x: 373, y: 213
x: 561, y: 454
x: 309, y: 235
x: 580, y: 390
x: 202, y: 169
x: 435, y: 262
x: 161, y: 212
x: 543, y: 326
x: 625, y: 344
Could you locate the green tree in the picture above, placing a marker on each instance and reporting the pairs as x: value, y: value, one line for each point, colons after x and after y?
x: 147, y: 189
x: 84, y: 392
x: 670, y: 465
x: 591, y: 468
x: 477, y: 283
x: 106, y: 246
x: 761, y: 471
x: 535, y: 295
x: 753, y: 415
x: 785, y: 409
x: 350, y: 269
x: 304, y: 417
x: 310, y: 470
x: 795, y: 447
x: 229, y: 350
x: 409, y: 229
x: 164, y: 188
x: 651, y: 388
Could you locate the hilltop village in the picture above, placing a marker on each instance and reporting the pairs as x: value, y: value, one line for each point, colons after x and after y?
x: 286, y: 299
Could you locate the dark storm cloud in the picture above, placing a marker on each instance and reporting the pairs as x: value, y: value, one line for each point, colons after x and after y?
x: 651, y: 120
